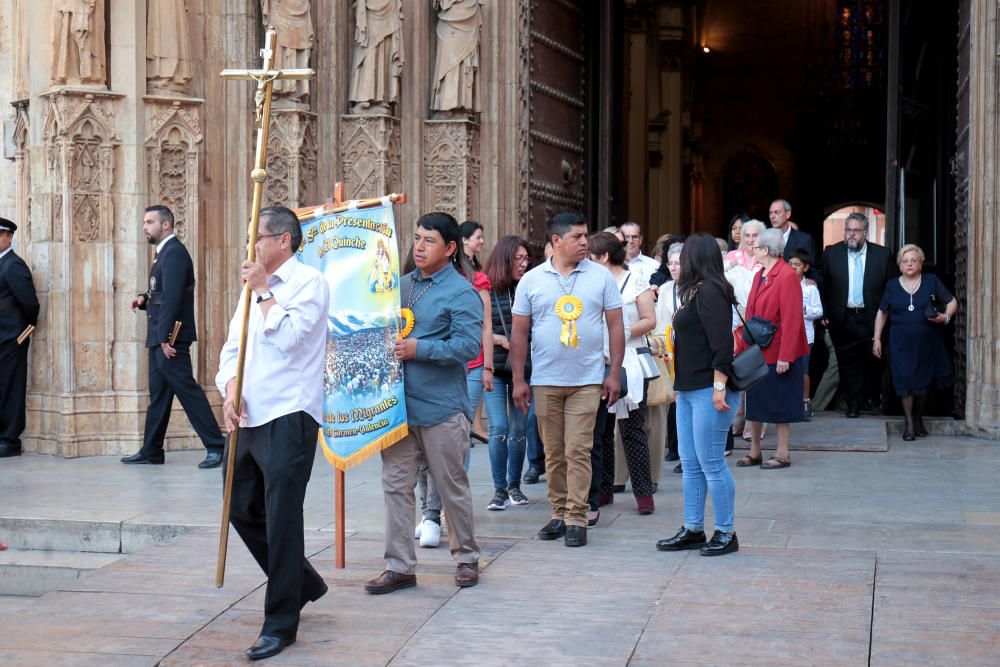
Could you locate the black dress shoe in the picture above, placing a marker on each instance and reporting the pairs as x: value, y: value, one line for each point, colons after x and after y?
x: 267, y: 646
x: 531, y: 477
x: 684, y: 539
x: 721, y: 544
x: 553, y: 530
x: 852, y: 413
x: 9, y: 449
x: 908, y: 436
x: 139, y: 458
x: 678, y: 468
x: 212, y: 460
x: 920, y: 431
x: 315, y: 596
x: 576, y: 536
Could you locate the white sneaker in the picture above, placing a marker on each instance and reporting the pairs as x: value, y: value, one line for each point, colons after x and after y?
x: 430, y: 534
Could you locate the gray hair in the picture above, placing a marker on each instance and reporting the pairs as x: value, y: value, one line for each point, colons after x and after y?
x: 279, y: 220
x: 860, y: 217
x: 751, y: 224
x: 773, y: 240
x: 785, y: 204
x: 674, y: 249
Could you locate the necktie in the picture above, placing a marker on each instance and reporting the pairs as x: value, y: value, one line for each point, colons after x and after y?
x: 857, y: 293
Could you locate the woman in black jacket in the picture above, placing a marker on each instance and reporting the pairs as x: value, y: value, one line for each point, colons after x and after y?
x: 703, y: 345
x: 506, y: 265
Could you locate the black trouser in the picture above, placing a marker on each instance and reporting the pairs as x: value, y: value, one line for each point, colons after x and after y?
x: 13, y: 390
x: 273, y: 465
x: 672, y: 429
x: 597, y: 455
x: 635, y: 445
x: 170, y: 377
x: 859, y: 370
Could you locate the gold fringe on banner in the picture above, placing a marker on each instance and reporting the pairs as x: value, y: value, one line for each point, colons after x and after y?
x: 372, y: 448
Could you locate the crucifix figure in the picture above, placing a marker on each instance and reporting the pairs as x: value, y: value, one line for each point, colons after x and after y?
x: 265, y: 78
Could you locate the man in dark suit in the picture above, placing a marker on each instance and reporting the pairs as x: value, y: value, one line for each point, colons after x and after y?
x: 18, y: 309
x: 855, y: 273
x: 781, y: 217
x: 170, y: 300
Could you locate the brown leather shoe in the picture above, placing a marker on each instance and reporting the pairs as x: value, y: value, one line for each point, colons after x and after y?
x: 390, y: 581
x: 467, y: 574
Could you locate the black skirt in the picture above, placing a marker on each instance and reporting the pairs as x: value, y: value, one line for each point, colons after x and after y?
x: 777, y: 399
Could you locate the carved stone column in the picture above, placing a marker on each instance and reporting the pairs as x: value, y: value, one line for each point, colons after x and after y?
x: 451, y: 167
x: 982, y: 410
x: 75, y: 357
x: 370, y: 150
x: 291, y: 158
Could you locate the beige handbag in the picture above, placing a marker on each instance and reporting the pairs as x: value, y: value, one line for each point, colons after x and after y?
x: 661, y: 390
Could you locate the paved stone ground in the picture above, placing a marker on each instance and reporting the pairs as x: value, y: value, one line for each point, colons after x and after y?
x: 848, y: 558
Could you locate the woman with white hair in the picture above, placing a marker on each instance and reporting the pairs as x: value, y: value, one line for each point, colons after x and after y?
x: 776, y: 296
x: 743, y: 256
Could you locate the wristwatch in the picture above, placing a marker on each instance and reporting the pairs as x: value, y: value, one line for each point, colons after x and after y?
x: 264, y: 296
x: 719, y: 386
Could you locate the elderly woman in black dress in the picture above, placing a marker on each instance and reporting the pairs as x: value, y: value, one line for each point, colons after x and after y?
x: 917, y: 354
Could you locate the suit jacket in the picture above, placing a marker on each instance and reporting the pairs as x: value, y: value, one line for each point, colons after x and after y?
x: 170, y: 297
x: 879, y: 269
x: 776, y: 296
x: 18, y: 301
x: 797, y: 239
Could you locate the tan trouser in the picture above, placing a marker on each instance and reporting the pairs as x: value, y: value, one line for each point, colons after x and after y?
x: 443, y: 448
x: 656, y: 432
x: 566, y: 418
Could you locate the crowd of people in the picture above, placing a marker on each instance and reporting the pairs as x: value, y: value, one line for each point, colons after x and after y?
x: 366, y: 366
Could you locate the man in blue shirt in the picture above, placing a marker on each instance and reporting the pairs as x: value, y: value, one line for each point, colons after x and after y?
x: 446, y: 336
x: 565, y: 304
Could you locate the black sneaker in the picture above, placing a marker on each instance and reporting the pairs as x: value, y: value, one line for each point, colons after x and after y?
x: 516, y: 497
x: 500, y: 501
x: 807, y: 409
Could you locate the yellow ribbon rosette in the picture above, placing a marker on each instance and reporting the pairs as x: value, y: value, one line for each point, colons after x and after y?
x: 669, y: 345
x: 409, y: 320
x: 568, y: 308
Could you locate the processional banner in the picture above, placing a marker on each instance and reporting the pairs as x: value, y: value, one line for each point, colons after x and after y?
x: 363, y: 407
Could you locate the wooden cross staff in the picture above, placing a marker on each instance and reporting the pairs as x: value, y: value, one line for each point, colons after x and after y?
x: 264, y: 77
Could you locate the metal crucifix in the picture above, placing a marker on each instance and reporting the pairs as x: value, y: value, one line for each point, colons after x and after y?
x: 264, y: 77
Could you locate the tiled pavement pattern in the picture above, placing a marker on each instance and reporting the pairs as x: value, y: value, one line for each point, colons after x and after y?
x: 848, y: 558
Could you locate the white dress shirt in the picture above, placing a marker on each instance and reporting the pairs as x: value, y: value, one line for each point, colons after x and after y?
x: 643, y: 267
x: 286, y: 353
x: 9, y: 248
x: 159, y: 246
x: 851, y: 255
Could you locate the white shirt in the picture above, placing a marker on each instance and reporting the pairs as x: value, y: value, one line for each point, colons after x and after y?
x: 643, y: 267
x: 812, y: 308
x: 286, y: 353
x: 9, y: 248
x: 787, y: 233
x: 850, y: 275
x: 159, y: 246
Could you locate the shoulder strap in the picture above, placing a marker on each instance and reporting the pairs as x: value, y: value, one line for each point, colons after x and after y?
x: 503, y: 323
x: 621, y: 290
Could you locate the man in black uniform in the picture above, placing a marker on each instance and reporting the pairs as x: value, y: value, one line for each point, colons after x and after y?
x: 18, y: 309
x: 170, y: 299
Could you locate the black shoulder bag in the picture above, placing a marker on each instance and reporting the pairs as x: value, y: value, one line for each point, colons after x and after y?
x: 749, y: 366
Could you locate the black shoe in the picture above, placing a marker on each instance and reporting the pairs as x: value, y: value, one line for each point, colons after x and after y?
x: 908, y: 436
x: 721, y: 544
x: 212, y: 460
x: 920, y: 431
x: 672, y: 456
x: 684, y: 539
x: 531, y: 477
x: 576, y: 536
x: 315, y: 596
x: 593, y: 517
x: 9, y: 449
x: 852, y: 413
x: 267, y: 646
x: 678, y: 468
x: 140, y: 458
x: 553, y: 530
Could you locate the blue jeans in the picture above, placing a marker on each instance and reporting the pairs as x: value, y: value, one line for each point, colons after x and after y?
x: 507, y: 440
x: 536, y: 453
x: 701, y: 436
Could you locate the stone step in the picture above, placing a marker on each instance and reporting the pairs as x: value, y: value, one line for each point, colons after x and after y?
x: 84, y: 535
x: 31, y: 572
x: 935, y: 425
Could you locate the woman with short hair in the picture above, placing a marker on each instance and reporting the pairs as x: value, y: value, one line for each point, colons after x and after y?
x: 776, y: 296
x: 917, y: 354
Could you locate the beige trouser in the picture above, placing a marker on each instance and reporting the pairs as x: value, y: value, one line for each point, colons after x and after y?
x: 656, y: 432
x: 566, y: 417
x: 443, y: 447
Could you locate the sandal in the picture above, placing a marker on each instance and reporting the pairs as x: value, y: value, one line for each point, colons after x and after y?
x: 774, y: 463
x: 748, y: 461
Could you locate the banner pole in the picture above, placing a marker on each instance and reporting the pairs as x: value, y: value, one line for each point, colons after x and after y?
x: 340, y: 514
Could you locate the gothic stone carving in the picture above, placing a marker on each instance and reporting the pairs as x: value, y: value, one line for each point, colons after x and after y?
x: 456, y: 67
x: 291, y: 158
x: 173, y: 162
x: 78, y: 53
x: 378, y: 56
x: 168, y: 47
x: 293, y: 21
x: 451, y: 166
x: 371, y: 155
x: 22, y: 170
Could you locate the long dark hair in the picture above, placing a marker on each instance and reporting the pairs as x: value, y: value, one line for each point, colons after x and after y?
x: 701, y: 262
x: 499, y: 266
x: 468, y: 228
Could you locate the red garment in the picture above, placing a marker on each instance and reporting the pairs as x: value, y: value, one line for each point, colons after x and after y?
x: 777, y: 296
x: 481, y: 282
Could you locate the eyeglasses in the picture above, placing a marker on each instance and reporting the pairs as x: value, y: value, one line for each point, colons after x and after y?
x: 521, y: 259
x: 265, y: 236
x: 632, y: 238
x: 910, y: 261
x: 859, y: 230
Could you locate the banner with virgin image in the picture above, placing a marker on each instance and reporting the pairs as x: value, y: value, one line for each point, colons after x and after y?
x: 363, y: 407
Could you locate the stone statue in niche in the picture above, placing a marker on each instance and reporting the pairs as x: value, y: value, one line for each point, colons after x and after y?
x: 456, y: 67
x: 168, y: 48
x: 78, y: 55
x: 378, y: 56
x: 292, y: 19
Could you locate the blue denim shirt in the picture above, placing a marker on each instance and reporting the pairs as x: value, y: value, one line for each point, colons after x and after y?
x: 448, y: 326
